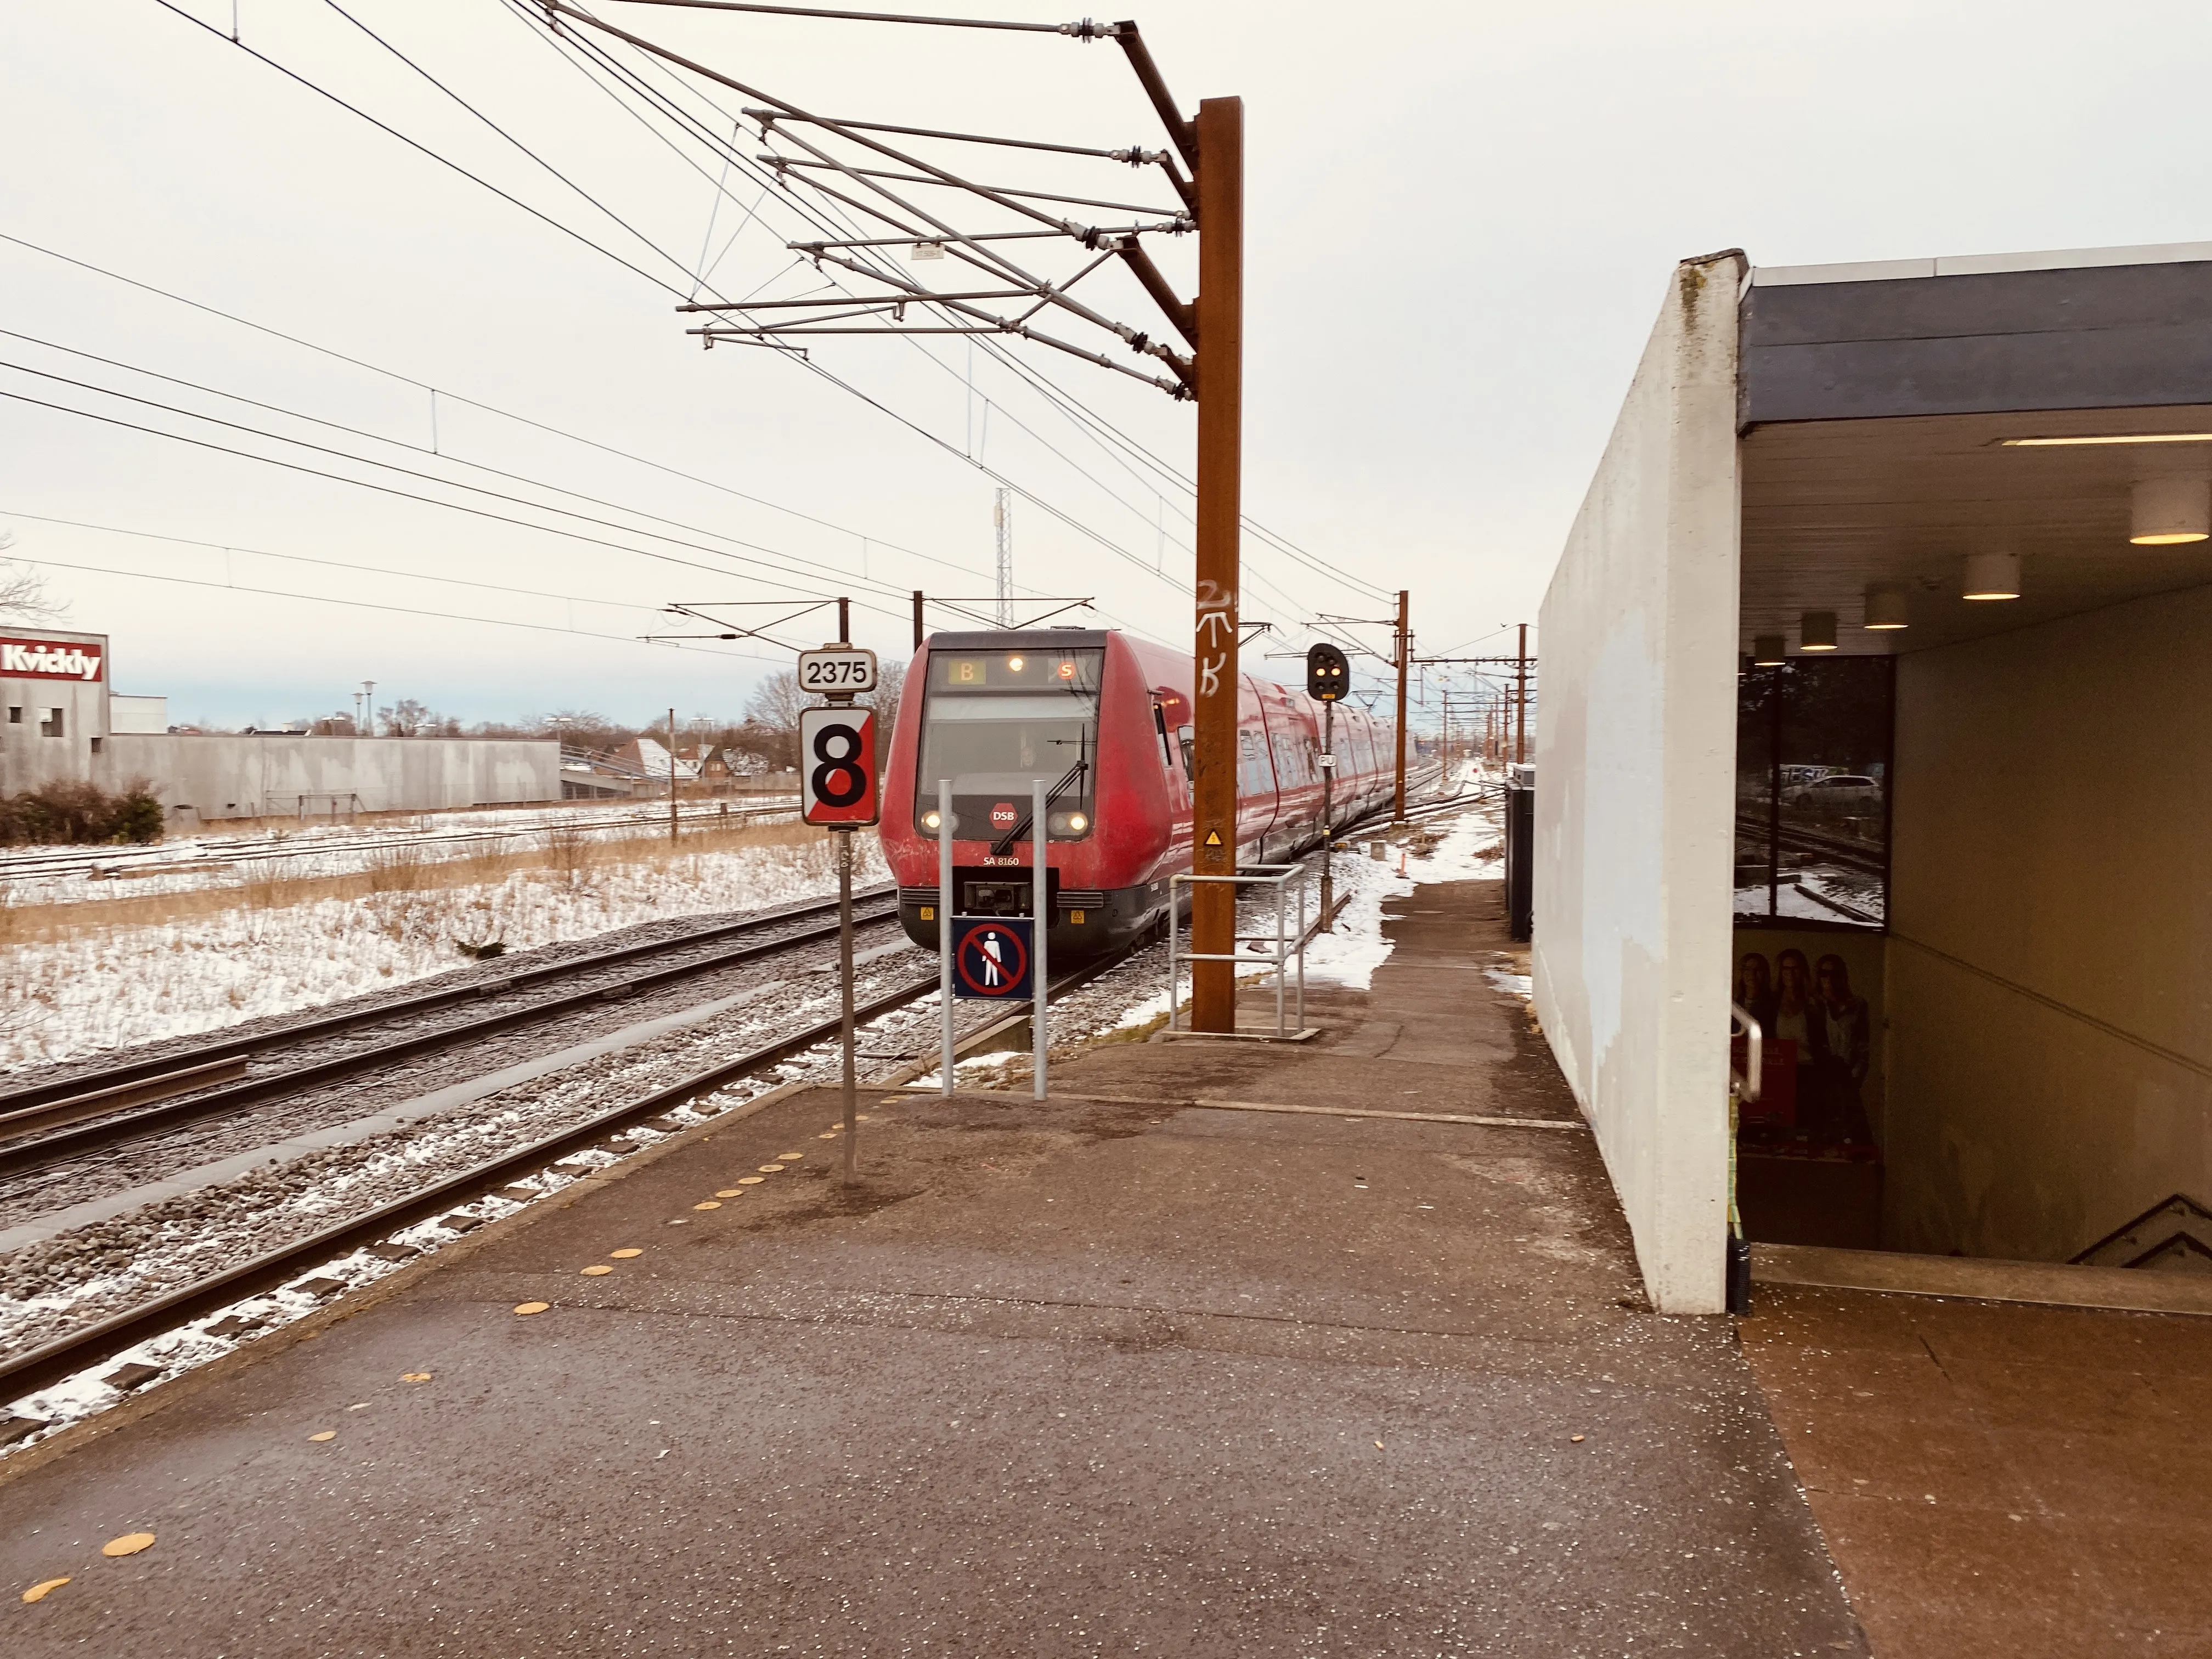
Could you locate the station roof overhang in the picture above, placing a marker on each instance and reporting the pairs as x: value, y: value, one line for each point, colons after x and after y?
x: 1874, y: 407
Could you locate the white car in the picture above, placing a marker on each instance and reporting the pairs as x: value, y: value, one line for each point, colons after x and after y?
x: 1849, y: 792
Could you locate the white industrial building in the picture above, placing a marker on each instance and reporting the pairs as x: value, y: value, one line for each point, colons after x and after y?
x: 1931, y: 536
x: 64, y: 722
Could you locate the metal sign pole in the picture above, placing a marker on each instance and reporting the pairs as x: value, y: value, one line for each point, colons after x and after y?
x: 1328, y: 816
x: 1040, y: 921
x: 845, y: 975
x: 945, y: 930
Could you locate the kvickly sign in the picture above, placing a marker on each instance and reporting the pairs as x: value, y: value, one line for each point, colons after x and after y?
x: 51, y: 659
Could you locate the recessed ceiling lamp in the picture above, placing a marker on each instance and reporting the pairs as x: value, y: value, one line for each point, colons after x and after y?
x: 1766, y: 651
x: 1991, y: 576
x: 2172, y: 510
x: 2119, y: 437
x: 1885, y: 606
x: 1816, y: 631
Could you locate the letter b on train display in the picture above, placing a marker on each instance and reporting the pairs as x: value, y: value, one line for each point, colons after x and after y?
x: 991, y: 957
x: 837, y: 765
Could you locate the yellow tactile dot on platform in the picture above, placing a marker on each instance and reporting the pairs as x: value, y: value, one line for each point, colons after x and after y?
x: 750, y: 1181
x: 623, y: 1255
x: 531, y: 1307
x: 827, y: 1134
x: 130, y: 1544
x: 596, y: 1269
x: 413, y: 1376
x: 771, y: 1169
x: 711, y: 1204
x: 327, y: 1434
x: 39, y: 1592
x: 791, y: 1158
x: 731, y: 1192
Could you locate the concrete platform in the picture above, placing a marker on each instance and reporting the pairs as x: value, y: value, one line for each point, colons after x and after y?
x: 2001, y: 1481
x: 1113, y: 1376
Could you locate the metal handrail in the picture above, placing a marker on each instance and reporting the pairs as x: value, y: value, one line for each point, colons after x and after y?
x: 1290, y: 946
x: 1742, y: 1087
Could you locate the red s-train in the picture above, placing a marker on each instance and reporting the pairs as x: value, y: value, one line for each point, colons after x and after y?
x: 1103, y: 718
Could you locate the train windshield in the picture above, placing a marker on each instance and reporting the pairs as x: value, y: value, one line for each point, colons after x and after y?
x: 994, y: 722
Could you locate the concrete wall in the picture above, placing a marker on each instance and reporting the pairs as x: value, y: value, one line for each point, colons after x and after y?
x: 223, y: 776
x: 2050, y: 972
x: 1635, y: 792
x: 27, y: 759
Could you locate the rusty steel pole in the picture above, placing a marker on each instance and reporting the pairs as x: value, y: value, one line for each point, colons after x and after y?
x: 1521, y: 700
x: 1405, y: 654
x: 1220, y: 308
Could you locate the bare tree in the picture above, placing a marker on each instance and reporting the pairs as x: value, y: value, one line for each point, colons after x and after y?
x: 407, y: 717
x: 776, y: 701
x: 23, y: 590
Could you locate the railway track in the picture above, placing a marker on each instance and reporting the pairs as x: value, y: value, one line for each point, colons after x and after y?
x: 52, y: 1362
x: 40, y: 864
x: 66, y: 1118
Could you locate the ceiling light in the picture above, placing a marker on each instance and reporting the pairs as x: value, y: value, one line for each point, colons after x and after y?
x: 1885, y: 606
x: 1766, y: 651
x: 2170, y: 510
x: 1991, y: 576
x: 2121, y: 438
x: 1816, y: 631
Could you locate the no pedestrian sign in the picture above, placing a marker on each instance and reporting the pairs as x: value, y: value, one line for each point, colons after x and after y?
x: 837, y: 765
x: 991, y: 957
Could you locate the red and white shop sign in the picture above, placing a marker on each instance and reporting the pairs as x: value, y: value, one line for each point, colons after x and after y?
x: 50, y: 660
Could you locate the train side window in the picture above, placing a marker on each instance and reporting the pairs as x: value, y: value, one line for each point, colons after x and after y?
x: 1160, y: 723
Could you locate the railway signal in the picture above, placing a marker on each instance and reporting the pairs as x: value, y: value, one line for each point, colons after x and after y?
x: 1329, y: 676
x: 837, y: 767
x: 838, y: 790
x: 1329, y: 673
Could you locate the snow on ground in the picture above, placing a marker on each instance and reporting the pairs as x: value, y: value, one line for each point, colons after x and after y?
x: 180, y: 864
x: 1349, y: 955
x: 107, y: 988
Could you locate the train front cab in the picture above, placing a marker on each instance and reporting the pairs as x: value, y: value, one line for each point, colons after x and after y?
x: 990, y: 714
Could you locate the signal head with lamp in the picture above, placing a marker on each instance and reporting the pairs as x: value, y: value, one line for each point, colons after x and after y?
x: 1329, y: 673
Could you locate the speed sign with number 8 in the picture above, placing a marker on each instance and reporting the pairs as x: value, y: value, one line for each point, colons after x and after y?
x: 837, y: 765
x: 835, y: 670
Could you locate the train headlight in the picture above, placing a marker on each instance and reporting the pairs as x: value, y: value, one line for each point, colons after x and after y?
x: 1015, y: 665
x: 1077, y: 823
x: 930, y: 820
x: 1068, y: 823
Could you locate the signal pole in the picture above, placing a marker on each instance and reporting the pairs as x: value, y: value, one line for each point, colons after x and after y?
x: 1219, y: 164
x: 917, y: 619
x: 1405, y: 654
x: 1521, y: 700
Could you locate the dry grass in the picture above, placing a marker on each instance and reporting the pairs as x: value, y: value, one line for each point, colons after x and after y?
x: 573, y: 859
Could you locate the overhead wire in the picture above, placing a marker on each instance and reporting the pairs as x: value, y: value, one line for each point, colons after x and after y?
x: 810, y: 567
x: 489, y: 409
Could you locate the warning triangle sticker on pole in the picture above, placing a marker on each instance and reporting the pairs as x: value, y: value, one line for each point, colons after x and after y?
x: 1213, y: 838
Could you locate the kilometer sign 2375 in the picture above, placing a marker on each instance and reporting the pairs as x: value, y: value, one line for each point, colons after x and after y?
x: 837, y: 765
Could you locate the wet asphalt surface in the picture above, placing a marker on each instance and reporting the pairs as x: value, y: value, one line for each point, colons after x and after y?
x: 1093, y: 1378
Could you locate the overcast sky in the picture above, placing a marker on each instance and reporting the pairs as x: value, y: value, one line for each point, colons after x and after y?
x: 1461, y: 219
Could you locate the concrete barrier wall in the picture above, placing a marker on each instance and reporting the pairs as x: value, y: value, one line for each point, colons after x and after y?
x: 222, y: 776
x: 2050, y: 929
x: 1635, y: 792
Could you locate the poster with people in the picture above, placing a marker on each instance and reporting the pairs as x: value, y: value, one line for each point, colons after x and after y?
x: 1818, y: 1050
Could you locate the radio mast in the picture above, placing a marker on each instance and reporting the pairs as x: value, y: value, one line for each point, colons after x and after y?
x: 1003, y: 518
